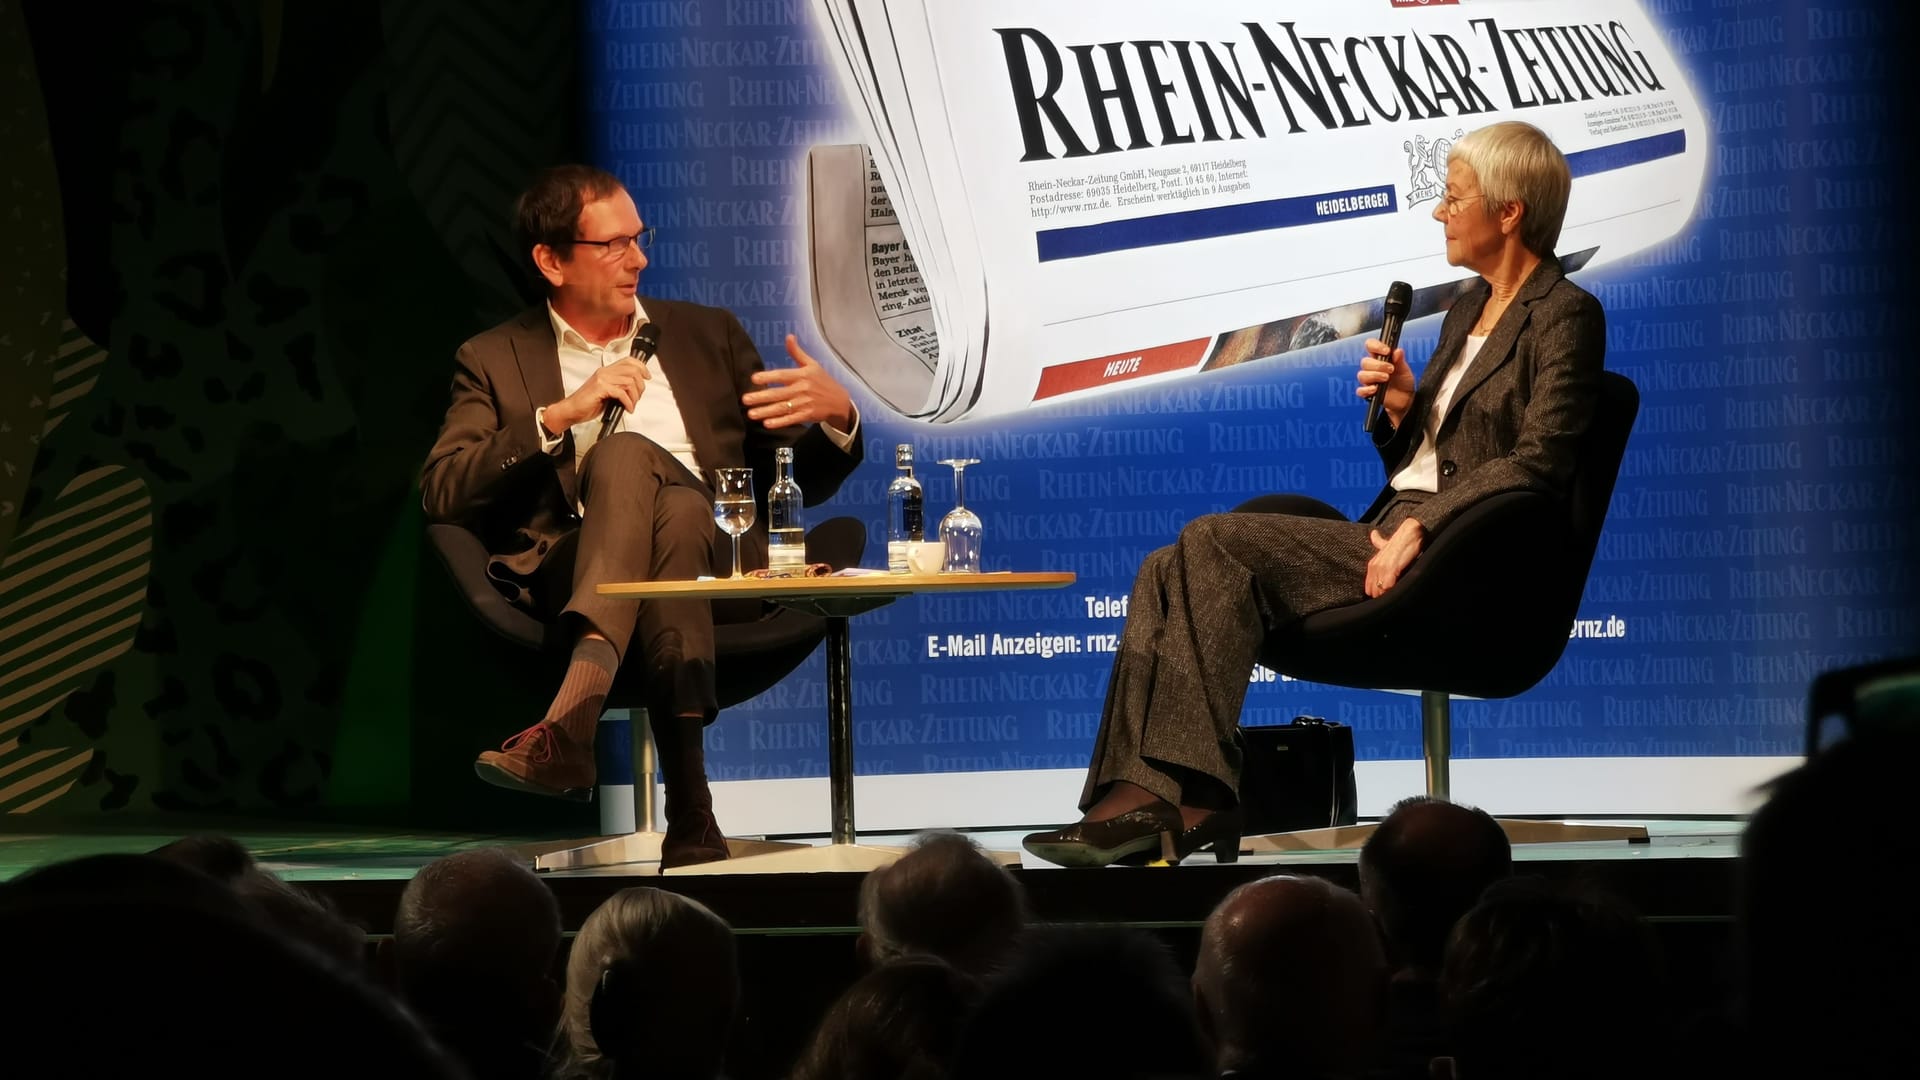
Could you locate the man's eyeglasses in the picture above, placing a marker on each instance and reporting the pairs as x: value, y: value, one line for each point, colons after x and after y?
x: 616, y: 246
x: 1453, y: 203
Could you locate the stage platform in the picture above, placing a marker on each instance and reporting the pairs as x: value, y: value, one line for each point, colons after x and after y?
x: 1684, y: 874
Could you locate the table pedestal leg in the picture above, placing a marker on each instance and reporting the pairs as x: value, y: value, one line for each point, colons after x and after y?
x: 842, y: 854
x: 840, y: 728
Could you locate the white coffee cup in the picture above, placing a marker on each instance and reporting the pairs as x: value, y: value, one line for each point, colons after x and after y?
x: 926, y: 556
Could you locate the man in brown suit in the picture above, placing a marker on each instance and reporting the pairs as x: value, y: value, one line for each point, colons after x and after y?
x: 521, y: 461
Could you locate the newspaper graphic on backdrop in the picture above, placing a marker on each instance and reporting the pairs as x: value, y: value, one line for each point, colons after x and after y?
x: 1065, y: 199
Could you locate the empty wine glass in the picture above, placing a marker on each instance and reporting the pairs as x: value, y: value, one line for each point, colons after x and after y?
x: 733, y: 506
x: 960, y: 529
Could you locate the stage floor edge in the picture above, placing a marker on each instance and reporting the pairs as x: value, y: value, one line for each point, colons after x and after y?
x: 1686, y: 872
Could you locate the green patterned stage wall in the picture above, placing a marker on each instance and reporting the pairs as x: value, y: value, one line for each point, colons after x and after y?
x: 245, y: 240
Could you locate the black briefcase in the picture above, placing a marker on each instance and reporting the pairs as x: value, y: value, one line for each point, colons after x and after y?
x: 1297, y: 776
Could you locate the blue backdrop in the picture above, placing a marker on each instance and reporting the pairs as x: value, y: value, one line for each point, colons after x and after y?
x: 1761, y: 530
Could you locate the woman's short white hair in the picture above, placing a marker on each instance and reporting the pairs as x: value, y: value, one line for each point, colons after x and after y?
x: 1516, y: 162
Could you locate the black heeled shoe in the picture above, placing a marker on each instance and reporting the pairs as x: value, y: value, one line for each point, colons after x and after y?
x: 1218, y: 832
x: 1149, y: 830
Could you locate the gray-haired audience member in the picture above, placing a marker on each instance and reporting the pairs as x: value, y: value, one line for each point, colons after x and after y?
x: 475, y: 939
x: 652, y: 985
x: 900, y: 1021
x: 1289, y: 980
x: 945, y: 898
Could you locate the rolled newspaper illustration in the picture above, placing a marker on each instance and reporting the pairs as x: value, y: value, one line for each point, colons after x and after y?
x: 1062, y: 200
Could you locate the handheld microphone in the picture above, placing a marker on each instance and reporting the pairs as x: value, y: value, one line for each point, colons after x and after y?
x: 1399, y: 299
x: 645, y: 343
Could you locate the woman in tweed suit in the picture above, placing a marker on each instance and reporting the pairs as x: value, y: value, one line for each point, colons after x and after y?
x: 1501, y: 407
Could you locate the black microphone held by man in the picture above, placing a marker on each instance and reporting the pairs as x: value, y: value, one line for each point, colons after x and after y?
x: 645, y: 343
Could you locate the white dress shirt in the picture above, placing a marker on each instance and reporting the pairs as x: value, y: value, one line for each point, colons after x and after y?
x: 1423, y: 472
x: 657, y: 415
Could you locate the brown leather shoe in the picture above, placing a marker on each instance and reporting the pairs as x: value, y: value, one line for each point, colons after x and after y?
x: 693, y: 837
x: 541, y: 760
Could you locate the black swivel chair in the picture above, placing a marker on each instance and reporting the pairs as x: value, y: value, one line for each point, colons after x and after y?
x: 750, y: 656
x: 1484, y: 612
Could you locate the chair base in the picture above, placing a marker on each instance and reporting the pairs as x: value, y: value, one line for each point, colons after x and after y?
x: 639, y: 852
x: 816, y: 859
x: 801, y: 859
x: 1518, y: 830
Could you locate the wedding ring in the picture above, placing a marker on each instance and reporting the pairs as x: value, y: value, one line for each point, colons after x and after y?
x: 789, y: 404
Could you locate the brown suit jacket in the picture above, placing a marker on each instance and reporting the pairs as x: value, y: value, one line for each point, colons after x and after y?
x: 1517, y: 418
x: 486, y: 470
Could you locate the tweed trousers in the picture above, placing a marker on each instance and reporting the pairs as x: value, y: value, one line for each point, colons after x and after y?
x: 1200, y: 610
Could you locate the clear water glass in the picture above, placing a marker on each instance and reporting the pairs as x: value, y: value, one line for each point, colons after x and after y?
x: 733, y: 506
x: 960, y: 529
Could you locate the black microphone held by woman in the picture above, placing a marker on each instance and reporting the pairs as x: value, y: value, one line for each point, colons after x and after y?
x: 1399, y: 299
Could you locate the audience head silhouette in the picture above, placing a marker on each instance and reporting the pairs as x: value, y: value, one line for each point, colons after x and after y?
x: 1424, y: 867
x: 140, y: 965
x: 651, y: 989
x: 221, y: 858
x: 900, y: 1021
x: 1532, y: 955
x: 475, y: 940
x: 302, y: 915
x: 1289, y: 979
x: 944, y: 898
x: 1084, y: 1001
x: 1829, y: 984
x: 299, y: 914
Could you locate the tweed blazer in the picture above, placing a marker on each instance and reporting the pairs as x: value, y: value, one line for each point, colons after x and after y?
x: 1516, y: 420
x: 486, y: 470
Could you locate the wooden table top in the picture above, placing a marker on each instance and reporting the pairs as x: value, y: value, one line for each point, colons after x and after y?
x: 877, y: 584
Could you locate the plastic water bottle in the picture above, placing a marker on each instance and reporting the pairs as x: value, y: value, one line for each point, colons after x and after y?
x: 906, y: 511
x: 786, y: 530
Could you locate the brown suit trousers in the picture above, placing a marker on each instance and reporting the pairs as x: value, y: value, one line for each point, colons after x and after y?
x: 646, y: 519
